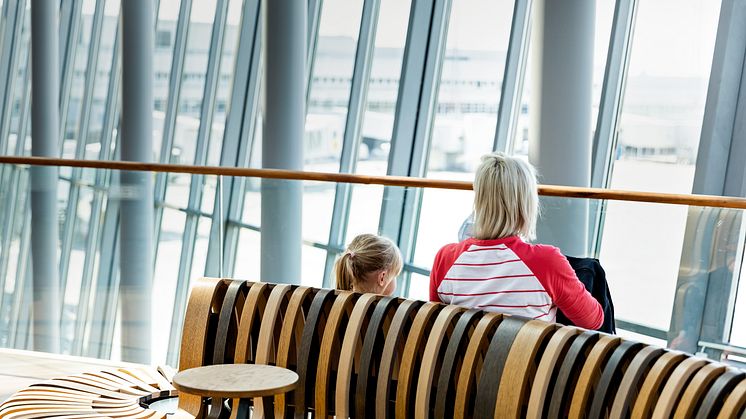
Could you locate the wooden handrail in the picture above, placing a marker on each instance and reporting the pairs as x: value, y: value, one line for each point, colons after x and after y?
x: 402, y: 181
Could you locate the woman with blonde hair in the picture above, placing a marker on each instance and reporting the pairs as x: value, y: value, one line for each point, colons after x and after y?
x: 369, y: 264
x: 496, y: 269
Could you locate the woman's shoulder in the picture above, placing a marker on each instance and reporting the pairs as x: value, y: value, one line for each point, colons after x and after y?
x: 539, y: 252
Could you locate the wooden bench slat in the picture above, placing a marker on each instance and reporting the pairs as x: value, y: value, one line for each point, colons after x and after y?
x: 411, y: 357
x: 350, y: 350
x: 452, y: 362
x: 520, y: 368
x: 547, y: 370
x: 472, y: 365
x: 653, y: 384
x: 715, y: 397
x: 494, y: 365
x: 675, y: 385
x: 391, y: 356
x: 290, y: 341
x: 431, y: 359
x: 370, y: 360
x: 735, y: 404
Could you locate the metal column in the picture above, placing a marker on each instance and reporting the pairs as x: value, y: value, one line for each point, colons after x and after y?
x: 136, y: 260
x: 282, y: 145
x: 44, y: 228
x: 560, y: 143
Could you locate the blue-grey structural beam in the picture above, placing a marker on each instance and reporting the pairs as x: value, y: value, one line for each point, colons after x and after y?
x: 617, y: 62
x: 713, y: 241
x: 282, y: 143
x: 415, y: 109
x: 235, y: 144
x: 44, y: 229
x: 136, y: 257
x: 513, y: 76
x: 561, y: 105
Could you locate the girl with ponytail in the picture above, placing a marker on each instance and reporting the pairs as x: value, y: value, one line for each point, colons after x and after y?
x: 370, y: 264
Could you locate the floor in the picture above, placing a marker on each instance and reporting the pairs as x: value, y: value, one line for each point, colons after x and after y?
x: 19, y: 369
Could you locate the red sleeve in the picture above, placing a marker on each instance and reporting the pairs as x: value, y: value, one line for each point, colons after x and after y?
x: 567, y: 292
x: 444, y: 259
x: 436, y: 276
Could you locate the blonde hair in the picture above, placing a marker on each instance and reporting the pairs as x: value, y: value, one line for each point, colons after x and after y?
x: 506, y: 200
x: 366, y: 253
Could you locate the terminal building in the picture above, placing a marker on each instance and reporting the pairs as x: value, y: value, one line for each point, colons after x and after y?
x: 377, y: 113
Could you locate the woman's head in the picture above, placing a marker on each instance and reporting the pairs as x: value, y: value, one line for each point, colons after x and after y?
x: 370, y: 264
x: 506, y: 201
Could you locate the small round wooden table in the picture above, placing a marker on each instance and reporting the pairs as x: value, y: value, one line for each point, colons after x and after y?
x: 236, y: 381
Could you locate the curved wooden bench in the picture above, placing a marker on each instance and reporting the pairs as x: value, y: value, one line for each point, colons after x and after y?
x: 368, y: 355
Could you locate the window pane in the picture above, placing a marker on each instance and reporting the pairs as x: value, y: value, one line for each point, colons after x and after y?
x: 419, y: 286
x: 199, y: 258
x: 658, y: 136
x: 162, y: 60
x: 190, y: 100
x: 313, y: 266
x: 604, y: 20
x: 80, y: 65
x: 661, y: 120
x: 100, y: 86
x: 225, y: 81
x: 327, y: 111
x: 248, y: 255
x: 365, y: 210
x: 383, y: 87
x: 330, y: 85
x: 21, y: 90
x: 469, y: 92
x: 443, y: 212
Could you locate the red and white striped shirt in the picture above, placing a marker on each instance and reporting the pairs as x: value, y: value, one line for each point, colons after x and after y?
x: 510, y: 276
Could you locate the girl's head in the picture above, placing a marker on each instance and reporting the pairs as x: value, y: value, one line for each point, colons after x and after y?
x: 369, y: 264
x: 506, y: 200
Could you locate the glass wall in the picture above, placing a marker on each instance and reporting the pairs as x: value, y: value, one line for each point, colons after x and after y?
x: 207, y: 79
x: 657, y: 138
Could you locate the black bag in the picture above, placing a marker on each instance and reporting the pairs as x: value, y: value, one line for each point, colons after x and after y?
x: 592, y: 275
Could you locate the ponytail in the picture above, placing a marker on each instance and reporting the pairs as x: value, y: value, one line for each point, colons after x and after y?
x: 344, y: 272
x: 366, y: 253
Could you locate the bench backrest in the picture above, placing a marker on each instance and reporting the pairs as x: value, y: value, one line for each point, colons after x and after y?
x: 364, y: 355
